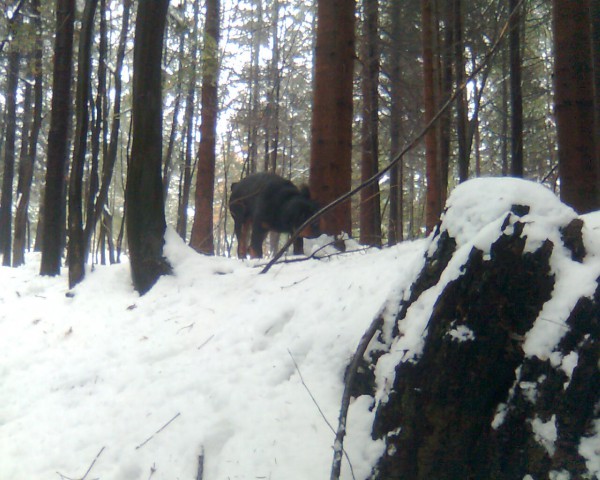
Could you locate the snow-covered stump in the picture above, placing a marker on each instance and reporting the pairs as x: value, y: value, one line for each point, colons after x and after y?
x: 491, y: 369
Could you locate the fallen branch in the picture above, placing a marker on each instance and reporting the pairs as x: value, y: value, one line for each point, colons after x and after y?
x: 415, y: 141
x: 338, y: 446
x: 319, y: 409
x: 64, y: 477
x: 200, y: 473
x: 157, y: 432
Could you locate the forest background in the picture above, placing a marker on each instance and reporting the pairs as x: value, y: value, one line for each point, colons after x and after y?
x: 240, y: 94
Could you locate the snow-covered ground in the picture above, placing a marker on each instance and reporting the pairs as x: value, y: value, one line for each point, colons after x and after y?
x: 217, y: 349
x: 219, y: 361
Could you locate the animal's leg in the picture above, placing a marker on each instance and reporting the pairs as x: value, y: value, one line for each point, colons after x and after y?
x: 258, y: 237
x: 299, y: 246
x: 243, y: 239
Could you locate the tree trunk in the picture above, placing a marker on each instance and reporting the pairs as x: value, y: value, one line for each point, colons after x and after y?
x: 504, y: 134
x: 395, y: 225
x: 253, y: 104
x: 97, y: 131
x: 595, y: 17
x: 184, y: 199
x: 76, y: 248
x: 175, y: 121
x: 370, y: 209
x: 111, y: 153
x: 574, y: 104
x: 58, y: 144
x: 516, y: 95
x: 6, y: 202
x: 461, y: 102
x: 26, y: 176
x: 145, y: 216
x: 433, y: 208
x: 274, y: 92
x: 331, y: 143
x: 202, y: 229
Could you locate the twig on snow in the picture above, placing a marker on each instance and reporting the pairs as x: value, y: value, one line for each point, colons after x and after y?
x: 64, y: 477
x: 338, y: 446
x: 200, y: 464
x: 319, y: 409
x: 157, y: 432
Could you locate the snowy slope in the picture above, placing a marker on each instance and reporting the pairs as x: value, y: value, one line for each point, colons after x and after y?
x: 211, y: 348
x: 213, y: 359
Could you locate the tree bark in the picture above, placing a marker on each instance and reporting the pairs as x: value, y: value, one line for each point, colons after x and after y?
x: 145, y: 216
x: 461, y: 102
x: 175, y: 122
x: 58, y: 144
x: 98, y: 128
x: 331, y: 143
x: 26, y: 176
x: 76, y: 248
x: 433, y: 207
x: 395, y: 225
x: 574, y: 104
x: 202, y: 229
x: 111, y: 153
x: 370, y: 209
x: 6, y: 202
x: 516, y: 95
x: 182, y: 217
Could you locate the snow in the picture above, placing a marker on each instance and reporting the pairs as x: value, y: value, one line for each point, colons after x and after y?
x: 211, y: 349
x: 545, y: 433
x: 243, y: 368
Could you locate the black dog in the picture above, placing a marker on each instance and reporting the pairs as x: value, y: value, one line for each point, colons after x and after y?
x: 267, y: 202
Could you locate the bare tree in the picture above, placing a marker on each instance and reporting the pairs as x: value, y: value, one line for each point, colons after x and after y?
x: 331, y: 143
x: 202, y: 229
x: 516, y: 95
x: 6, y: 201
x: 26, y: 170
x: 434, y: 169
x: 58, y: 140
x: 145, y: 216
x: 77, y: 248
x: 574, y: 104
x: 370, y: 210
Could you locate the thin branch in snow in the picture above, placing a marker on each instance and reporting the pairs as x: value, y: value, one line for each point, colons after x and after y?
x: 157, y: 432
x: 200, y: 464
x: 319, y: 408
x: 64, y: 477
x: 338, y: 446
x: 206, y: 341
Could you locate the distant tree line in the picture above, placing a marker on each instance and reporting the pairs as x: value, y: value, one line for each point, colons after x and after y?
x: 108, y: 136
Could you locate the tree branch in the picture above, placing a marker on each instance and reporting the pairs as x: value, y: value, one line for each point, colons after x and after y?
x: 406, y: 149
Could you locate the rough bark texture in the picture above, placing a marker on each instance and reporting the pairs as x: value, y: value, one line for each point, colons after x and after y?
x: 433, y: 202
x: 370, y: 209
x: 14, y: 59
x: 58, y: 145
x: 26, y: 173
x: 77, y: 250
x: 516, y: 95
x: 331, y: 144
x: 202, y: 230
x: 574, y: 103
x: 145, y: 216
x: 111, y: 153
x: 395, y: 225
x: 441, y: 420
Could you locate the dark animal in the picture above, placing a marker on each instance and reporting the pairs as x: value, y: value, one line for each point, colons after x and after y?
x: 265, y: 202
